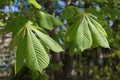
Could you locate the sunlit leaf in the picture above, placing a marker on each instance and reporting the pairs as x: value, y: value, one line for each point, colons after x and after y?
x: 53, y: 45
x: 83, y: 36
x: 99, y: 27
x: 1, y: 24
x: 86, y: 32
x: 47, y: 21
x: 98, y: 36
x: 34, y: 2
x: 36, y: 54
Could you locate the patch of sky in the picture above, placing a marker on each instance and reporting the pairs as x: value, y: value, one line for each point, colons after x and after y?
x: 59, y: 6
x: 110, y: 23
x: 11, y: 8
x: 97, y: 7
x: 15, y: 7
x: 77, y: 3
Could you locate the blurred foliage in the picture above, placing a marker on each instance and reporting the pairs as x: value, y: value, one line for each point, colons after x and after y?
x: 72, y: 64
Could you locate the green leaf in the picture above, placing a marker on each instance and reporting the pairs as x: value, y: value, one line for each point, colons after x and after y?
x: 15, y: 24
x: 4, y: 2
x: 16, y: 39
x: 98, y: 26
x: 34, y: 3
x: 1, y: 24
x: 19, y: 24
x: 68, y: 10
x: 77, y: 10
x: 71, y: 32
x: 83, y: 36
x: 99, y: 38
x: 86, y: 32
x: 36, y: 56
x: 72, y: 48
x: 40, y: 29
x: 72, y: 11
x: 19, y: 55
x: 53, y: 45
x: 55, y: 21
x: 29, y: 50
x: 45, y: 21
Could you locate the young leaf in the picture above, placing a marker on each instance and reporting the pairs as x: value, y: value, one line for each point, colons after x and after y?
x: 88, y: 32
x: 45, y: 21
x: 99, y: 27
x: 29, y: 50
x: 36, y: 54
x: 48, y: 21
x: 83, y: 36
x: 53, y: 45
x: 21, y: 50
x: 98, y: 37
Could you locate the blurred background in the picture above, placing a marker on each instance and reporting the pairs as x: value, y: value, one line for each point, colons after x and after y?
x: 94, y: 64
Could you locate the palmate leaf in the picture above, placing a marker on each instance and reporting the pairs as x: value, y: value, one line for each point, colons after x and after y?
x: 99, y: 38
x: 79, y: 32
x: 36, y: 54
x: 83, y: 37
x: 32, y: 42
x: 86, y: 32
x: 53, y: 45
x: 47, y: 21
